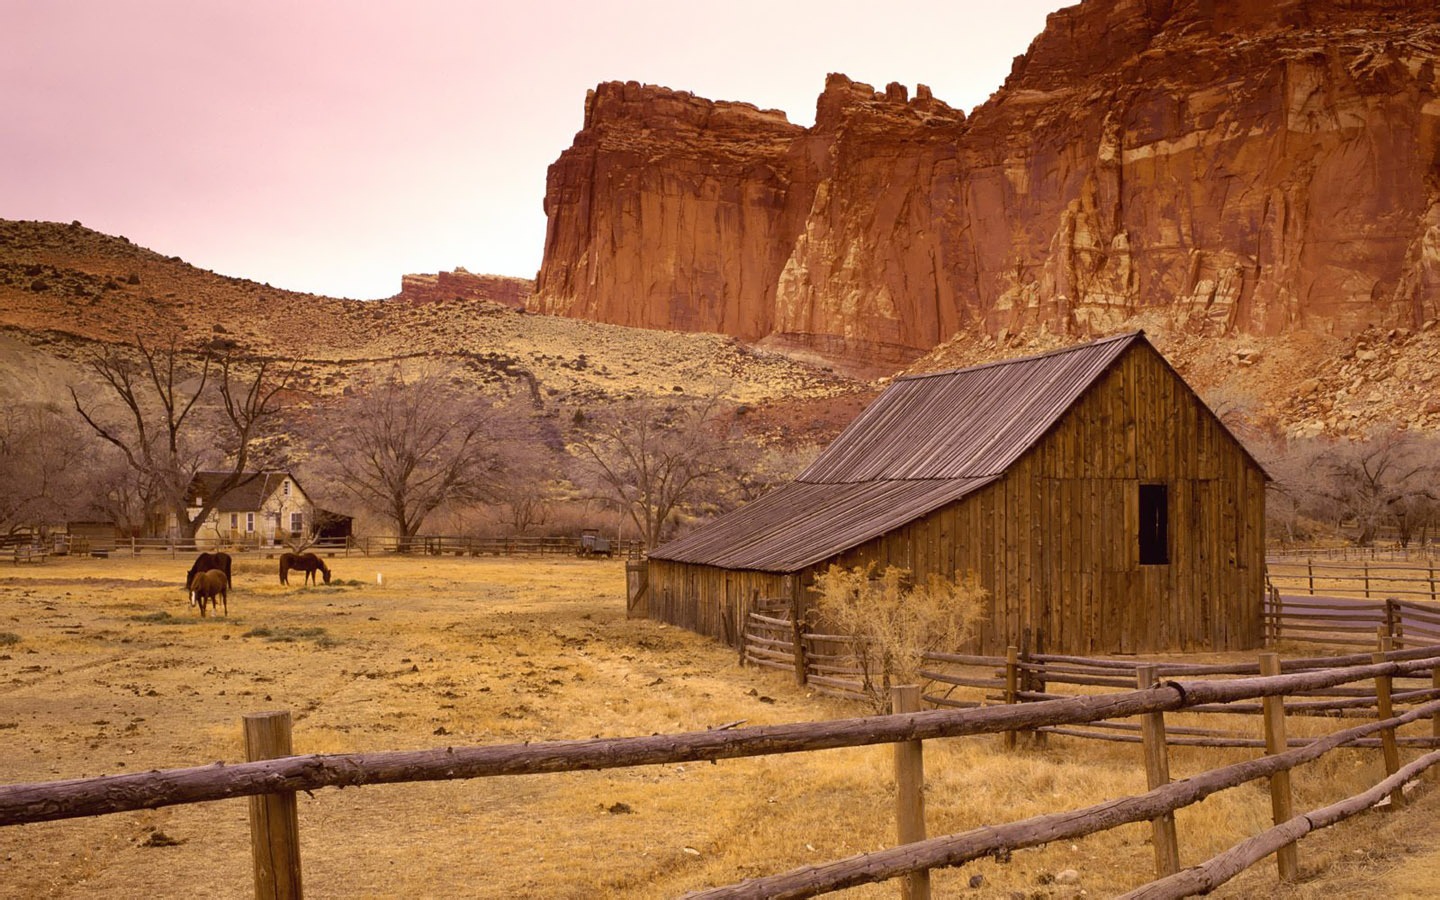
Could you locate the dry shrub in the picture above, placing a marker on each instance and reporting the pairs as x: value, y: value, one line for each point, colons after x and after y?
x: 896, y: 622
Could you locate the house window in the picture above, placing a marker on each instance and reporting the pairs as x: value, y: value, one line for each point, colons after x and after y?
x: 250, y: 522
x: 297, y: 523
x: 234, y: 521
x: 1154, y: 525
x: 285, y: 488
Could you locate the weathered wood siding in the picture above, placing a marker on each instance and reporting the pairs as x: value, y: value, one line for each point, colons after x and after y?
x: 707, y: 599
x: 1056, y: 541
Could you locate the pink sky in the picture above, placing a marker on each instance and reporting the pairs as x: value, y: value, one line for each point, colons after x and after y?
x: 333, y: 146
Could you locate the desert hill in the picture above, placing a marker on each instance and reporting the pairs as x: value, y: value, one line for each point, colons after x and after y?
x: 63, y: 287
x: 1235, y: 170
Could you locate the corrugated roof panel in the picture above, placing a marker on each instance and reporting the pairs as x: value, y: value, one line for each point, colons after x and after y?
x: 800, y: 524
x: 965, y: 423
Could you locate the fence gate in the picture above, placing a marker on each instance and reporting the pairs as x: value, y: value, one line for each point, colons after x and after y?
x: 637, y: 588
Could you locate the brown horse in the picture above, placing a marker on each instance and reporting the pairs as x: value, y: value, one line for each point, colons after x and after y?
x: 207, y: 562
x: 209, y: 585
x: 308, y: 563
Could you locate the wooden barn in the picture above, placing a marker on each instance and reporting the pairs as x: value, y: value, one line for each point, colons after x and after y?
x: 1101, y: 503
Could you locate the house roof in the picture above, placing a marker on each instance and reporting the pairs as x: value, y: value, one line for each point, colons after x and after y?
x: 926, y: 441
x: 247, y: 496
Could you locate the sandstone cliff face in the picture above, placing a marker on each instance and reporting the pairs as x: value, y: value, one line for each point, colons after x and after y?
x: 463, y: 285
x: 668, y: 212
x: 1249, y: 167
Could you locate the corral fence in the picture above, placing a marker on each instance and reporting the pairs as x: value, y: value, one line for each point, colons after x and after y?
x: 1338, y: 622
x: 272, y: 777
x: 837, y: 665
x: 431, y: 545
x: 1412, y: 576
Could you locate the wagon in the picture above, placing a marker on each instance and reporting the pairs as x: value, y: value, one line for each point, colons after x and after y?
x: 592, y: 544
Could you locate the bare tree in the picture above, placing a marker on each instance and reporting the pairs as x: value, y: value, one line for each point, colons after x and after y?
x: 1388, y: 478
x: 528, y: 490
x: 41, y: 466
x: 404, y: 448
x: 179, y: 414
x: 656, y: 459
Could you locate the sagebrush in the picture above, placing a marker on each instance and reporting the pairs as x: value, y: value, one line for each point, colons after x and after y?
x: 895, y: 620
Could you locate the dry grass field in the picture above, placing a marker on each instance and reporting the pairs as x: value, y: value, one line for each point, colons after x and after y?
x: 105, y: 669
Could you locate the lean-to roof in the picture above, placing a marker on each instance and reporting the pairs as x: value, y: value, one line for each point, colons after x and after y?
x: 926, y: 441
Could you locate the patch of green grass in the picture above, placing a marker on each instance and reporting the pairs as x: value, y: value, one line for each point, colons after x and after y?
x: 290, y: 635
x: 161, y: 617
x: 8, y: 637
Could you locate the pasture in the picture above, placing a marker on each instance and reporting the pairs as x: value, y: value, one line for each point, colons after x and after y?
x: 104, y: 668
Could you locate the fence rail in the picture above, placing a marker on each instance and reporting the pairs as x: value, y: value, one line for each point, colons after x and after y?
x: 275, y: 837
x: 1416, y: 575
x: 432, y: 545
x: 830, y: 664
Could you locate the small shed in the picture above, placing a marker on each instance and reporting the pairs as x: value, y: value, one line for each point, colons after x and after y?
x: 92, y: 537
x: 1101, y: 503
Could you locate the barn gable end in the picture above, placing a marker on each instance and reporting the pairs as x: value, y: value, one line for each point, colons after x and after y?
x: 1029, y: 473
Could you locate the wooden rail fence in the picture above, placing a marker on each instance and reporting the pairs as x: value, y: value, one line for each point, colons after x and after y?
x: 1367, y: 578
x: 1348, y: 623
x: 431, y: 545
x: 827, y: 664
x: 275, y: 833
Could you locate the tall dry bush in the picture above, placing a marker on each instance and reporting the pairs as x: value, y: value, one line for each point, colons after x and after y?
x: 895, y: 621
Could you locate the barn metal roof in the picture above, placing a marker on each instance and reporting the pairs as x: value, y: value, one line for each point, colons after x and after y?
x: 802, y: 523
x: 964, y: 423
x: 926, y: 441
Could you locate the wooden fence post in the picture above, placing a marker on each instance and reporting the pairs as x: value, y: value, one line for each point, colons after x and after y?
x: 1036, y: 682
x: 1012, y: 672
x: 1432, y: 581
x: 1277, y: 609
x: 1395, y: 619
x: 797, y: 626
x: 1287, y: 858
x: 909, y: 791
x: 1384, y: 709
x: 1310, y: 568
x: 274, y: 819
x: 1365, y: 568
x: 1157, y: 774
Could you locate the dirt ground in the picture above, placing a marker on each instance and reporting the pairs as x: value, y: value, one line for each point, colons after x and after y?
x: 104, y: 668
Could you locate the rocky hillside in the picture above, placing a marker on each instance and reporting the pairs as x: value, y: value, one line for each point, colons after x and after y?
x: 1239, y: 167
x: 64, y: 287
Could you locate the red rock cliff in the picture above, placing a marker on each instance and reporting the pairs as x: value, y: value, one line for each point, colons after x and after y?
x: 463, y: 285
x: 1249, y: 166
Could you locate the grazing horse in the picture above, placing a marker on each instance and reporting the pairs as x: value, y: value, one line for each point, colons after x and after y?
x: 308, y: 563
x: 206, y: 562
x: 208, y: 586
